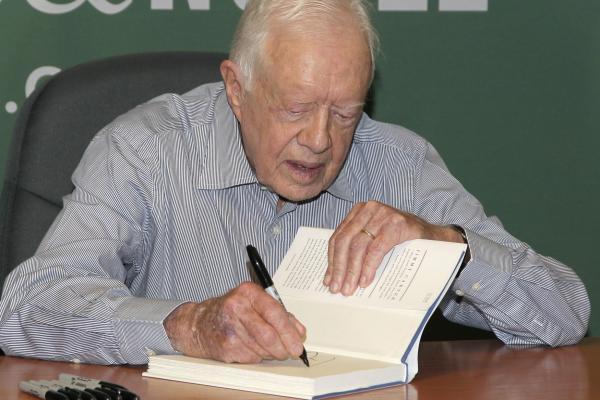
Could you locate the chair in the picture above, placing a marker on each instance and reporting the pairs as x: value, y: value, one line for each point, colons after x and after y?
x: 57, y: 122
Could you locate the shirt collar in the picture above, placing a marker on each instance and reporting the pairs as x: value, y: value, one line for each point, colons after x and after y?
x: 340, y: 187
x: 225, y: 162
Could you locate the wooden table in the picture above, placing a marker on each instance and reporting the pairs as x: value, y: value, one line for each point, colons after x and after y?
x: 477, y: 369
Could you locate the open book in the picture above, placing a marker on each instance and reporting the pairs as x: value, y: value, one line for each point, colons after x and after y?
x: 361, y: 342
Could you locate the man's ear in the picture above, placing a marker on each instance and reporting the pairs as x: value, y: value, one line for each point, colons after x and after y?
x: 233, y: 79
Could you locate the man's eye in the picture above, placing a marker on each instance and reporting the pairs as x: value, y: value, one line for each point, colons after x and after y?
x: 295, y: 114
x: 344, y: 117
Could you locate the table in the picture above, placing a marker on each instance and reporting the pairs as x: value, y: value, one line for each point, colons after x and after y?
x: 474, y: 369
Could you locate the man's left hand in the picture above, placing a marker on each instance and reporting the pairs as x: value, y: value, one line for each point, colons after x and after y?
x: 366, y: 235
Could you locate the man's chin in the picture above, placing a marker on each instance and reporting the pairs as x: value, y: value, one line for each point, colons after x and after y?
x: 299, y: 195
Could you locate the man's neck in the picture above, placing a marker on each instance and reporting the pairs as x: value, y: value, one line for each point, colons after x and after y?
x: 280, y: 203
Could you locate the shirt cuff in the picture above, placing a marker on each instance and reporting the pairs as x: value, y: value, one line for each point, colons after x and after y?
x: 138, y: 324
x: 486, y: 275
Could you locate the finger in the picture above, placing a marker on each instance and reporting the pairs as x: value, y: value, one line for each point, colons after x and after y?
x: 292, y: 336
x: 332, y: 241
x: 232, y: 340
x: 369, y: 247
x: 351, y: 235
x: 261, y: 324
x: 357, y: 253
x: 264, y: 337
x: 298, y: 325
x: 283, y: 334
x: 396, y: 228
x: 249, y: 341
x: 338, y: 245
x: 241, y: 347
x: 375, y: 253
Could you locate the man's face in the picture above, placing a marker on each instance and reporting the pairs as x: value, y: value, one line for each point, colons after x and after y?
x: 298, y: 119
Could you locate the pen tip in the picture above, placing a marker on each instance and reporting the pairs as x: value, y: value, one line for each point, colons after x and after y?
x: 304, y: 358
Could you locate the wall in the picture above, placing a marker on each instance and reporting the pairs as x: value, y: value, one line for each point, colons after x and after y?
x: 507, y: 90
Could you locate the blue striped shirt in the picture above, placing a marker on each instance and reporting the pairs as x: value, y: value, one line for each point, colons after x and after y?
x: 165, y: 203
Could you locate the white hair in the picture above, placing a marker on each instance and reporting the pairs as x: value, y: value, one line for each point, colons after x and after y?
x: 259, y: 15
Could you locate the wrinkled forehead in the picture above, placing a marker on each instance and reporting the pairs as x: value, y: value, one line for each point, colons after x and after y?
x: 343, y: 45
x: 316, y: 70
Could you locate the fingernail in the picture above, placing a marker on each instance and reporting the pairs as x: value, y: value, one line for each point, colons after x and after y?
x: 327, y: 279
x: 363, y: 281
x: 334, y: 287
x: 346, y: 289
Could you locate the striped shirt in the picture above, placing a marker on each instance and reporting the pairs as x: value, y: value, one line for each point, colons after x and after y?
x: 165, y: 203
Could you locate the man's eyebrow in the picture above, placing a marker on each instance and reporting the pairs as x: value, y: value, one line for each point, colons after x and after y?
x: 301, y: 102
x: 348, y: 107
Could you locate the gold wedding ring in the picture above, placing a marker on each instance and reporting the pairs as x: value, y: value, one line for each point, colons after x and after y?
x: 366, y: 232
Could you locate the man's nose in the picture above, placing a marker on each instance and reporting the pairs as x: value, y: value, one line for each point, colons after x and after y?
x: 316, y: 135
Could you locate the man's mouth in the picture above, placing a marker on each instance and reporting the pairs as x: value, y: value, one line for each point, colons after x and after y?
x: 305, y: 170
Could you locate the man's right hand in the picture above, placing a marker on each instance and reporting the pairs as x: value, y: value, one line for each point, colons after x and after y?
x: 245, y: 325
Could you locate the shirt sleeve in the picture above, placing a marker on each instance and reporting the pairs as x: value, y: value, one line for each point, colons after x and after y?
x: 72, y: 300
x: 506, y: 287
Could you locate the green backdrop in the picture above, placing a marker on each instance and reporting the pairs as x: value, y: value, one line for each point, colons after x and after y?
x: 507, y: 90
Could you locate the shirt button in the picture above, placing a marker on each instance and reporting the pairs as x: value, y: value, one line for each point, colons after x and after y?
x: 459, y: 293
x: 276, y: 230
x: 263, y: 188
x: 476, y: 286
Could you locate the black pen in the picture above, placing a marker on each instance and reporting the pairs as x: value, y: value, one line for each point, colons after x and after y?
x: 42, y: 391
x: 108, y: 388
x: 72, y: 393
x: 88, y: 382
x: 267, y: 283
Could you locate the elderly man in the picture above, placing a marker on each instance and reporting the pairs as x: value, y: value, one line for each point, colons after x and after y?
x: 147, y: 255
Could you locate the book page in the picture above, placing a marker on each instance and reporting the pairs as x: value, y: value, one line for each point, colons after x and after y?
x: 407, y: 278
x: 382, y: 334
x: 328, y: 374
x: 321, y: 364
